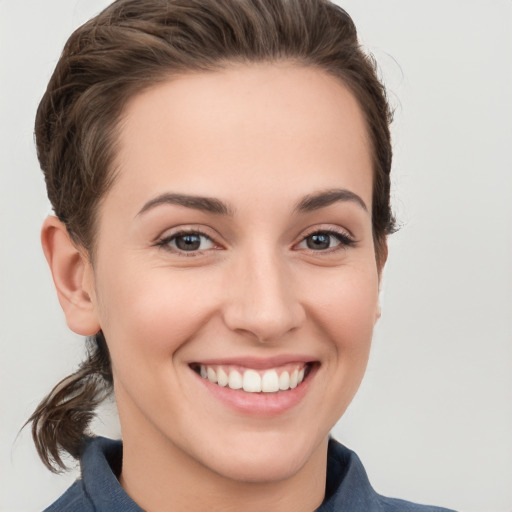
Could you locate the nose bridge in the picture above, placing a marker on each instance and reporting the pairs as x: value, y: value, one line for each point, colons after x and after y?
x: 263, y: 301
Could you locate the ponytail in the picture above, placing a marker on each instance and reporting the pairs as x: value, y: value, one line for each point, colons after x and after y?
x: 60, y: 422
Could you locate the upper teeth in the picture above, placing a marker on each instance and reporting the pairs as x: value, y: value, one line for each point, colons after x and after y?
x: 253, y: 381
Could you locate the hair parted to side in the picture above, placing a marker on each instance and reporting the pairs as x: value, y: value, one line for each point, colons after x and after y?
x: 131, y: 46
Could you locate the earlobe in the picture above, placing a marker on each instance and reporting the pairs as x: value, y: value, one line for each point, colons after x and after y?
x: 72, y: 276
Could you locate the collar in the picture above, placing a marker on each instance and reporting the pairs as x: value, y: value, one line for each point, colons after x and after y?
x: 101, y: 465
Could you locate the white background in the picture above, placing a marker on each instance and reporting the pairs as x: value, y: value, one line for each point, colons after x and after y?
x: 433, y: 419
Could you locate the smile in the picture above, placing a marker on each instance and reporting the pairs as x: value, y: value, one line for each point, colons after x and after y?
x: 271, y: 380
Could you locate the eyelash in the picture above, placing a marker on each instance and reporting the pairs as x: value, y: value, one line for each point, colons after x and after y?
x: 345, y: 241
x: 164, y: 242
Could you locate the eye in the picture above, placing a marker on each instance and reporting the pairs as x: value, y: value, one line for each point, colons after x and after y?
x: 191, y: 241
x: 324, y: 240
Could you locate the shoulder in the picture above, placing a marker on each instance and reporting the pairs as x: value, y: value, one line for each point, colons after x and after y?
x: 74, y: 499
x: 348, y: 488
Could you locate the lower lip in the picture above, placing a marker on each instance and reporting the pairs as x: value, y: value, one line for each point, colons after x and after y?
x: 260, y: 404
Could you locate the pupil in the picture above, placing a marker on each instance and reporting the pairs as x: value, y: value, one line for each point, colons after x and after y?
x: 188, y: 242
x: 318, y: 241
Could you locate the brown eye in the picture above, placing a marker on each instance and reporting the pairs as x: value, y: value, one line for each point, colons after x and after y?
x: 188, y: 242
x: 319, y: 241
x: 324, y: 240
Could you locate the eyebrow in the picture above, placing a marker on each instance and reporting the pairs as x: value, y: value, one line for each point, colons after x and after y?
x: 326, y: 198
x: 207, y: 204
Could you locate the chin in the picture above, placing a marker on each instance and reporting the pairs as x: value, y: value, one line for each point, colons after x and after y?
x: 266, y: 457
x: 264, y: 469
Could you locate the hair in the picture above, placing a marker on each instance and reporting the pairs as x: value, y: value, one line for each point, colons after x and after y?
x: 131, y: 46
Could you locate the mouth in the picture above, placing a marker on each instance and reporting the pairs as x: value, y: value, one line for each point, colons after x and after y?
x: 251, y: 380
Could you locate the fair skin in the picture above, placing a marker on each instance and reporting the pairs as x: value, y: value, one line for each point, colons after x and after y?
x: 278, y: 274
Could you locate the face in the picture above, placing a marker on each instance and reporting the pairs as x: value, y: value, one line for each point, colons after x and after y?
x: 234, y: 275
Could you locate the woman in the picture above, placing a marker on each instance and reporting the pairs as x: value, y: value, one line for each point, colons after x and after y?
x: 219, y: 173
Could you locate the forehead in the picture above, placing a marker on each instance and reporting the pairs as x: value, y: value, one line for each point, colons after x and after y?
x: 269, y: 124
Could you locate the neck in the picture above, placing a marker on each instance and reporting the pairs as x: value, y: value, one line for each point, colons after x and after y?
x: 160, y: 477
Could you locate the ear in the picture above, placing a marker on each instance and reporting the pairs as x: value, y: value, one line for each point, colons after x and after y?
x: 73, y: 277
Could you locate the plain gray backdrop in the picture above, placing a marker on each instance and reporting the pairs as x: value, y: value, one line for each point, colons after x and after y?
x: 433, y: 419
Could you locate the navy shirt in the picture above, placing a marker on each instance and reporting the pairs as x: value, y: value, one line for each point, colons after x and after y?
x: 347, y: 486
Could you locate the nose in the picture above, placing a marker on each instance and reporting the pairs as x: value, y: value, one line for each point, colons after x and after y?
x: 263, y: 302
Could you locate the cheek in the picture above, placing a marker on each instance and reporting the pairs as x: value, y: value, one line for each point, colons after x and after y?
x: 347, y: 307
x: 149, y: 316
x: 344, y: 307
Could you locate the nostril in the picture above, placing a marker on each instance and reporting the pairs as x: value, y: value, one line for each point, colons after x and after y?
x: 264, y: 323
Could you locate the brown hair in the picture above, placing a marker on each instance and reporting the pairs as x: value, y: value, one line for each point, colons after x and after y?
x: 130, y: 46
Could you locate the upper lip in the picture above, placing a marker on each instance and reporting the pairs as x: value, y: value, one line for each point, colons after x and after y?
x: 258, y: 363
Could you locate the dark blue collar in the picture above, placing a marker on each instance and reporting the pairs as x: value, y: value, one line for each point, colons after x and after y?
x: 101, y: 467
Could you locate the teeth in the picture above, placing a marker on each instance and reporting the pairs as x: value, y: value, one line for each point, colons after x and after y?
x: 222, y: 378
x: 252, y: 381
x: 270, y: 382
x: 293, y: 378
x: 284, y: 381
x: 212, y: 376
x: 235, y: 380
